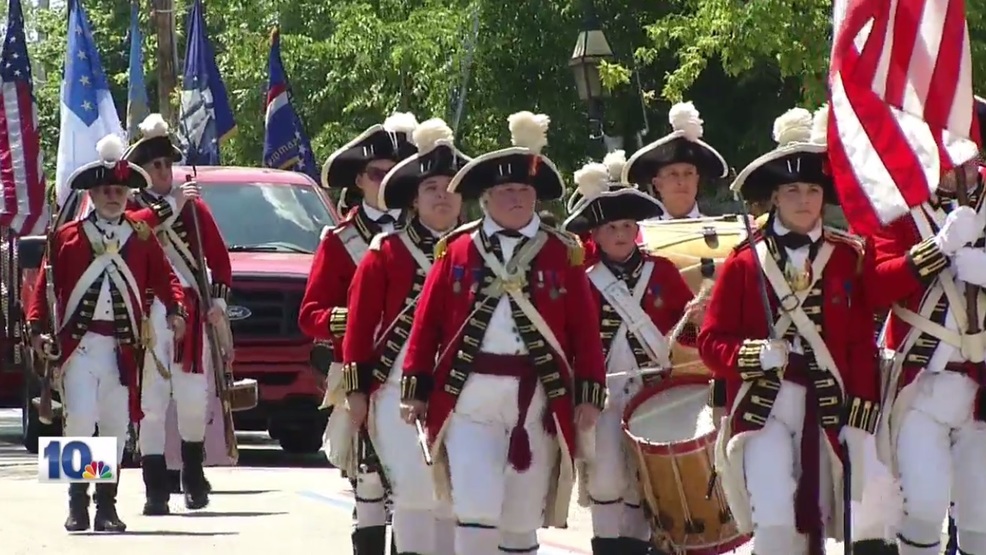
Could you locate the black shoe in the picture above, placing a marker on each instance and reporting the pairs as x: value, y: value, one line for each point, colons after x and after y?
x: 193, y: 481
x: 156, y: 487
x: 106, y: 518
x: 874, y: 547
x: 78, y: 508
x: 370, y: 541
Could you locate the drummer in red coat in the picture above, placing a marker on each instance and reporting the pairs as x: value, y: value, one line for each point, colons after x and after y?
x: 935, y: 438
x: 383, y: 300
x: 502, y: 355
x: 819, y: 379
x: 639, y: 297
x: 101, y: 267
x: 359, y: 165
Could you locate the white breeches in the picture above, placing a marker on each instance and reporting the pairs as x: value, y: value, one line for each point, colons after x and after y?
x: 92, y: 394
x: 486, y: 489
x: 940, y: 452
x: 189, y: 392
x: 417, y: 511
x: 771, y: 463
x: 612, y: 470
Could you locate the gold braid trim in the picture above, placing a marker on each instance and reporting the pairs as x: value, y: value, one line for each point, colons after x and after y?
x: 338, y: 316
x: 863, y: 414
x: 927, y: 260
x: 748, y: 360
x: 588, y: 391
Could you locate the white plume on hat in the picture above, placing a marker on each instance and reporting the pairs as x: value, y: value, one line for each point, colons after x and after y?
x: 684, y: 117
x: 614, y: 162
x: 431, y: 133
x: 592, y: 180
x: 820, y: 125
x: 529, y: 130
x: 110, y: 149
x: 793, y: 126
x: 154, y: 126
x: 400, y: 122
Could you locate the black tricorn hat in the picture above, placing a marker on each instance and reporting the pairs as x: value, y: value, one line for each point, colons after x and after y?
x: 110, y: 169
x: 521, y: 163
x: 801, y: 156
x: 154, y: 142
x: 602, y: 201
x: 389, y: 141
x: 683, y: 144
x: 436, y: 155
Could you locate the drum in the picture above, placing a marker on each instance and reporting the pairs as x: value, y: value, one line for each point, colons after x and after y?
x: 697, y: 247
x: 672, y: 435
x: 243, y: 395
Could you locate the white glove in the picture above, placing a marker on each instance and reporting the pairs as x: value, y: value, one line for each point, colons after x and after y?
x: 773, y: 354
x: 854, y: 437
x: 970, y: 266
x: 961, y: 228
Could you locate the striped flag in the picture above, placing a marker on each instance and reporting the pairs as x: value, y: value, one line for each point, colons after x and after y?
x: 24, y: 207
x: 900, y: 86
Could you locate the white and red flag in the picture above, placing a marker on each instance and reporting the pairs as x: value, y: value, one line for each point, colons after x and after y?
x: 902, y: 105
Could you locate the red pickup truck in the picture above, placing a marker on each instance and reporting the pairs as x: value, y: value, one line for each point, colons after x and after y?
x: 271, y: 221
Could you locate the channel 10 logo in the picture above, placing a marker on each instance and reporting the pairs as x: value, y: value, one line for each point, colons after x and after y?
x: 77, y: 460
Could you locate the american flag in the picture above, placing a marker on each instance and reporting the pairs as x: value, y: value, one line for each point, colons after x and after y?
x: 21, y: 177
x: 902, y: 109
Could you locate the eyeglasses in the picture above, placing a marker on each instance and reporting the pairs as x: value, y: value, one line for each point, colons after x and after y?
x: 375, y: 174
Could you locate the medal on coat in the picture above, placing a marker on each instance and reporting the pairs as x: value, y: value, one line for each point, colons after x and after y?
x: 553, y: 292
x: 457, y: 272
x: 656, y: 292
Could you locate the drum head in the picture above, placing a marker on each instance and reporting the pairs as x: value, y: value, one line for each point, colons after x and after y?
x: 673, y: 415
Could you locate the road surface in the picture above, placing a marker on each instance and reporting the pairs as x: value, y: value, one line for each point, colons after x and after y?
x: 271, y: 503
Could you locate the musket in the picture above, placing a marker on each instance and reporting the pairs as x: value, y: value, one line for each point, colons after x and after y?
x: 52, y: 348
x: 221, y: 371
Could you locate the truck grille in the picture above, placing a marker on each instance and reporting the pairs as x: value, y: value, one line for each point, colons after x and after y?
x: 273, y: 311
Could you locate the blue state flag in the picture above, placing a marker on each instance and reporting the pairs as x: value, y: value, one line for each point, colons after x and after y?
x: 137, y: 104
x: 286, y: 146
x: 206, y: 117
x: 87, y: 110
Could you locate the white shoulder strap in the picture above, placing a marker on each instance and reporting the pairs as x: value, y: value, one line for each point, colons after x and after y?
x: 419, y: 256
x: 806, y: 328
x: 353, y: 242
x: 635, y: 319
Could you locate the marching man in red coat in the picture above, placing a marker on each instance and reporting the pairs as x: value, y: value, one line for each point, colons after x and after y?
x: 178, y: 372
x: 639, y: 298
x: 502, y: 364
x: 799, y: 382
x: 102, y: 266
x: 934, y: 437
x: 382, y: 303
x: 359, y: 165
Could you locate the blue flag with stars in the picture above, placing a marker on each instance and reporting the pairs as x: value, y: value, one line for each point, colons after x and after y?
x: 87, y: 110
x: 286, y: 146
x: 206, y: 118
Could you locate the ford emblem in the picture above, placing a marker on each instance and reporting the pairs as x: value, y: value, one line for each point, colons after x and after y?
x: 238, y: 312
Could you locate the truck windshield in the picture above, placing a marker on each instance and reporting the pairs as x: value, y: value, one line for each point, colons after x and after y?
x: 274, y: 217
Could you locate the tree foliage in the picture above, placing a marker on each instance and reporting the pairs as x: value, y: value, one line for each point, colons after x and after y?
x: 352, y: 62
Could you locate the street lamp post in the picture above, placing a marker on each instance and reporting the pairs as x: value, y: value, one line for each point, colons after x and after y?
x: 591, y: 48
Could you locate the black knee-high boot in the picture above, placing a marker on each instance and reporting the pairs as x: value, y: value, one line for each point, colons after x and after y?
x: 78, y: 508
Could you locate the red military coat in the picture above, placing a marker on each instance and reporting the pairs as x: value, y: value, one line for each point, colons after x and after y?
x: 214, y: 251
x: 735, y: 313
x: 444, y: 308
x: 72, y: 255
x: 323, y: 313
x: 383, y: 281
x: 665, y: 297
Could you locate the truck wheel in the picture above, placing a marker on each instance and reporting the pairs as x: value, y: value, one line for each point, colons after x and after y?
x: 301, y: 441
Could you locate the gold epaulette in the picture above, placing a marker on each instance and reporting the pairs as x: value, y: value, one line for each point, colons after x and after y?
x: 576, y: 252
x: 442, y: 245
x: 378, y: 239
x: 855, y: 242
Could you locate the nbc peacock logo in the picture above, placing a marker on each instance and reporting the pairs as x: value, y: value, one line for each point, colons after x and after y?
x: 97, y: 470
